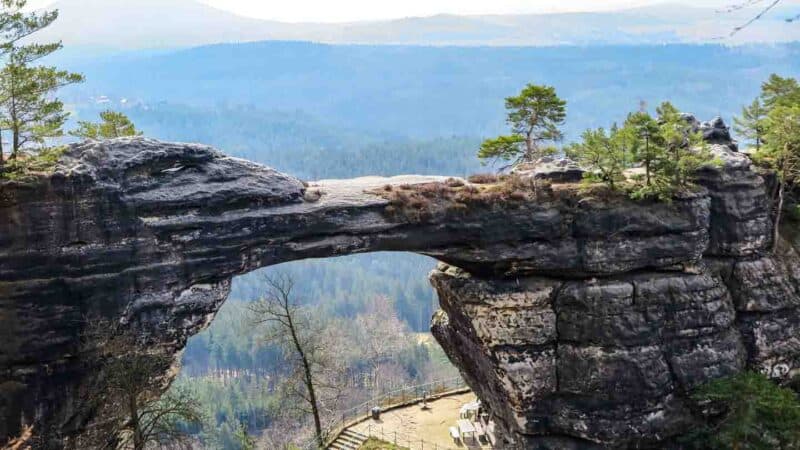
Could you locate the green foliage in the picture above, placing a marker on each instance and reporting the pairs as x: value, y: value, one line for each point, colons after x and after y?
x: 778, y: 91
x: 608, y: 154
x: 648, y: 152
x: 231, y: 406
x: 28, y: 109
x: 782, y: 149
x: 246, y: 442
x: 377, y: 444
x: 33, y: 165
x: 748, y: 411
x: 666, y: 151
x: 781, y: 137
x: 535, y: 117
x: 751, y: 124
x: 685, y: 151
x: 502, y: 147
x: 113, y: 125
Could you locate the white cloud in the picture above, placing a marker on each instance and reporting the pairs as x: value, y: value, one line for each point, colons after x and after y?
x: 355, y: 10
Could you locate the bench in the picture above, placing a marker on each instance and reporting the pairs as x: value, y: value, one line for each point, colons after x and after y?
x: 454, y: 434
x: 480, y: 430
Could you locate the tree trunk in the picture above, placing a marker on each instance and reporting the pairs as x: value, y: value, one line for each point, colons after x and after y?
x: 308, y: 381
x: 138, y: 439
x: 647, y: 161
x: 2, y: 160
x: 776, y: 230
x: 528, y: 148
x: 15, y: 143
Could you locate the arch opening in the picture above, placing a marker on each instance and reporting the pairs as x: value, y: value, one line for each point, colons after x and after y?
x: 375, y: 308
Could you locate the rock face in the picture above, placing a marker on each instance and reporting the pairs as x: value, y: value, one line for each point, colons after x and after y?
x: 560, y: 361
x: 557, y: 170
x: 579, y: 321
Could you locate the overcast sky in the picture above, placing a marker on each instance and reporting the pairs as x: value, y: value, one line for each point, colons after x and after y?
x: 355, y: 10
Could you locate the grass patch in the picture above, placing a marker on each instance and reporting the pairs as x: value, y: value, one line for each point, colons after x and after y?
x: 376, y: 444
x: 29, y: 166
x: 482, y: 178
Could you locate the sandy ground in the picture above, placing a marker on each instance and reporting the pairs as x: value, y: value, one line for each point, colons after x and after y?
x: 413, y: 423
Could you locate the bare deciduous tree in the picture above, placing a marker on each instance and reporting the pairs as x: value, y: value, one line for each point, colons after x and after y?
x: 128, y: 395
x: 766, y: 7
x: 312, y: 381
x: 382, y: 334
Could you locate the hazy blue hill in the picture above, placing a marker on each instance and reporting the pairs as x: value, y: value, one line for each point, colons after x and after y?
x: 423, y: 92
x: 140, y: 24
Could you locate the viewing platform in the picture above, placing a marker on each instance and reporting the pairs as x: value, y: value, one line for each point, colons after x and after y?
x: 410, y: 426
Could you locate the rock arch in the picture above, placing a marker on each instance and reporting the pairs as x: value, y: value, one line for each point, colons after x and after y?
x: 580, y: 321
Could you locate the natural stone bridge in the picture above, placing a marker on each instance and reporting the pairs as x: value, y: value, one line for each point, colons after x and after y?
x: 580, y: 321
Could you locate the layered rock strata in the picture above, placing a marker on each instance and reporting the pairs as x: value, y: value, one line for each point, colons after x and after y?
x: 609, y: 361
x: 578, y: 320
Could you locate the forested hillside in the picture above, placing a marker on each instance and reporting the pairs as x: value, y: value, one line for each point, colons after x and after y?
x: 421, y: 92
x: 303, y: 145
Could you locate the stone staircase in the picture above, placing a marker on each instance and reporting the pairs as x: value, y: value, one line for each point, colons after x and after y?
x: 348, y: 440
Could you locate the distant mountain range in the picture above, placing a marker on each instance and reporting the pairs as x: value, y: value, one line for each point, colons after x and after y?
x: 154, y: 24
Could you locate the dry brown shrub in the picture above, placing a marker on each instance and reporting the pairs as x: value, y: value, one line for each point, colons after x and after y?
x: 453, y: 182
x: 517, y: 196
x: 432, y: 190
x: 457, y: 208
x: 419, y: 203
x: 482, y: 178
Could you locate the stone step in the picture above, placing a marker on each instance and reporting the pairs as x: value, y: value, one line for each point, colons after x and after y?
x: 355, y: 435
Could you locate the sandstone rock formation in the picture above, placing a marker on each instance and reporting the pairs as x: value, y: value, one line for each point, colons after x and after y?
x: 580, y: 321
x: 559, y: 359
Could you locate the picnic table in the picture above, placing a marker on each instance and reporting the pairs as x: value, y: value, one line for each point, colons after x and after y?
x: 469, y: 409
x: 465, y: 427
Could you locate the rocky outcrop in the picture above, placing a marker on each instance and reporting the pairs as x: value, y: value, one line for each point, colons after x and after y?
x: 565, y: 358
x: 581, y: 320
x: 550, y: 168
x: 558, y: 360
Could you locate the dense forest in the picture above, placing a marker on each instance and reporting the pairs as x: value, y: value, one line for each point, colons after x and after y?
x: 419, y: 92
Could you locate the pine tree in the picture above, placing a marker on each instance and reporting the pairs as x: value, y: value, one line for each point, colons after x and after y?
x: 782, y: 154
x: 113, y: 125
x: 14, y: 26
x: 751, y: 124
x: 685, y: 150
x: 27, y: 109
x: 668, y: 150
x: 608, y: 155
x: 648, y: 148
x: 535, y: 116
x: 780, y: 91
x: 754, y: 413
